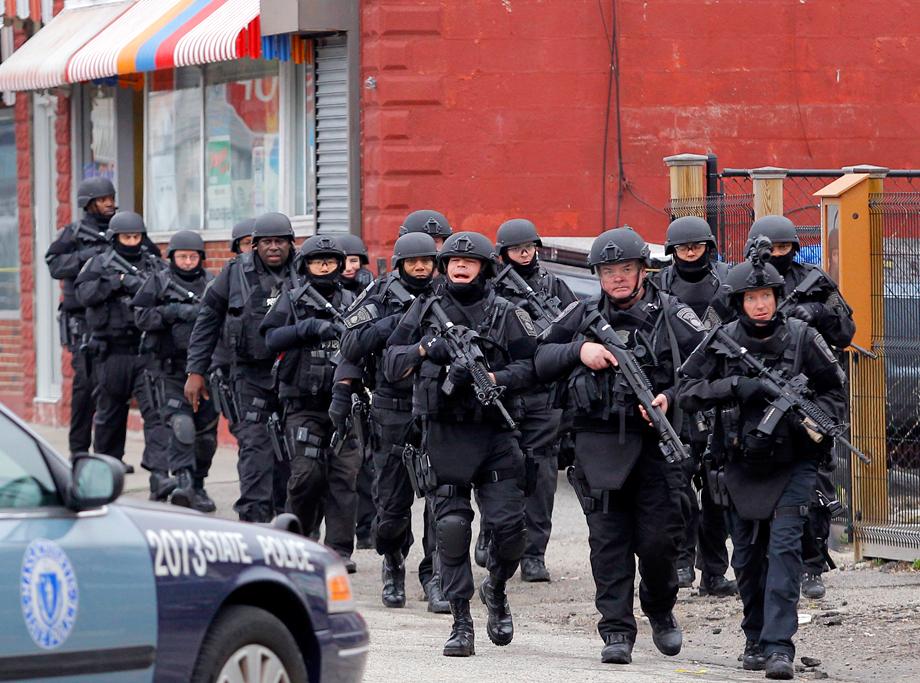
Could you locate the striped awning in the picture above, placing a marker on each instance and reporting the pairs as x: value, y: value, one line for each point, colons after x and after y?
x: 161, y: 34
x: 105, y: 40
x: 42, y: 61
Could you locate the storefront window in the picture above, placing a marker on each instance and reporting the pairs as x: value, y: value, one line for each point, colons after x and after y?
x: 173, y: 168
x: 242, y: 143
x: 101, y: 156
x: 9, y: 217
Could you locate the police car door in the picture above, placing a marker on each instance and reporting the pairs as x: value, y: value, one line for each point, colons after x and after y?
x: 77, y: 595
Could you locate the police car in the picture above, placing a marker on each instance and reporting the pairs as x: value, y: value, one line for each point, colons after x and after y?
x: 94, y: 590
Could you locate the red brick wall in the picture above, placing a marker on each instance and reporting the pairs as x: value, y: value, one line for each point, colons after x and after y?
x: 488, y: 109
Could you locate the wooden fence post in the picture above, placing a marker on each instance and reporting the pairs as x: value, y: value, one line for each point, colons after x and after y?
x: 768, y: 191
x: 687, y: 173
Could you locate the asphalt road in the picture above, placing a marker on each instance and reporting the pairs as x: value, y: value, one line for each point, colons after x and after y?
x: 866, y: 629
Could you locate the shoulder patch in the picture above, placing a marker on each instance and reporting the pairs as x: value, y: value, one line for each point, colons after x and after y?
x: 526, y: 321
x: 363, y: 315
x: 688, y: 317
x: 823, y: 348
x: 565, y: 311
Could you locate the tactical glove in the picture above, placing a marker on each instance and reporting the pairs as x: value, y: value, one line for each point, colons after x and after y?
x: 437, y: 349
x: 340, y: 408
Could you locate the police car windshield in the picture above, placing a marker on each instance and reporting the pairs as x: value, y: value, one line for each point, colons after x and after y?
x: 25, y: 481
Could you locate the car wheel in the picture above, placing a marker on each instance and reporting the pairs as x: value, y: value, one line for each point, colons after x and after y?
x: 249, y: 645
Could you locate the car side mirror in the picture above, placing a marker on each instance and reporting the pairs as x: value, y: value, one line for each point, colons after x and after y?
x: 96, y: 480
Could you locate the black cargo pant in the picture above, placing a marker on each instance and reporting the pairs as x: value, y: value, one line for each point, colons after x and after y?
x: 539, y: 432
x: 82, y: 401
x: 817, y: 531
x: 256, y: 399
x: 706, y: 532
x: 120, y: 377
x: 485, y: 456
x: 365, y: 494
x: 392, y: 427
x: 193, y: 436
x: 642, y: 519
x: 321, y: 482
x: 767, y: 559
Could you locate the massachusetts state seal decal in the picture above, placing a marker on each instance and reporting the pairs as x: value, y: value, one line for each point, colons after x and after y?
x: 48, y: 593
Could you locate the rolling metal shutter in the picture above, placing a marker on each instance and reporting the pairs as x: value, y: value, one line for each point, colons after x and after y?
x: 332, y: 190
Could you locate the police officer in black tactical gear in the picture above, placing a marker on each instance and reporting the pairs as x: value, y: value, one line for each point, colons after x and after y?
x: 695, y: 277
x: 305, y: 334
x: 355, y: 278
x: 768, y: 479
x: 234, y: 306
x: 355, y: 275
x: 165, y: 310
x: 241, y: 236
x: 631, y: 496
x: 821, y: 306
x: 517, y: 242
x: 370, y: 323
x: 74, y: 245
x: 469, y: 444
x: 429, y: 222
x: 105, y: 287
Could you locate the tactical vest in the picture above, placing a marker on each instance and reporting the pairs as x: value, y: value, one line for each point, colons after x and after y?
x: 428, y: 397
x: 736, y: 424
x: 308, y: 371
x: 697, y: 295
x: 114, y: 319
x: 172, y: 343
x: 392, y: 304
x: 250, y: 297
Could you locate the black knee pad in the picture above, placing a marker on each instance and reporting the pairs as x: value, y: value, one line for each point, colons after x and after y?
x: 183, y: 427
x: 509, y: 543
x: 391, y: 529
x: 454, y: 536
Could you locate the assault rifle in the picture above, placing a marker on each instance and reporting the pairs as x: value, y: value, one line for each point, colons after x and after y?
x: 124, y: 266
x: 465, y: 350
x: 786, y: 395
x: 308, y: 291
x: 88, y: 233
x: 546, y: 307
x: 668, y: 440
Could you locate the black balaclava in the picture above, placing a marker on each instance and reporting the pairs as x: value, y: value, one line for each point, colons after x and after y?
x: 349, y: 283
x: 187, y: 275
x: 132, y: 253
x: 758, y: 331
x: 525, y: 271
x: 693, y: 271
x: 413, y: 284
x: 325, y: 284
x: 782, y: 263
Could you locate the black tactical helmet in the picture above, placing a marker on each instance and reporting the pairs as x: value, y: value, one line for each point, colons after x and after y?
x: 317, y: 246
x: 353, y: 245
x: 94, y: 188
x: 185, y: 240
x: 516, y: 231
x: 468, y: 245
x: 427, y: 221
x: 777, y: 228
x: 618, y: 245
x: 746, y: 276
x: 413, y: 245
x: 687, y: 229
x: 272, y: 224
x: 125, y: 222
x: 241, y: 230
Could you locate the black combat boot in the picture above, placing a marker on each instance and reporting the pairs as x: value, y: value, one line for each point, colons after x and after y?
x: 203, y: 502
x: 685, y: 576
x: 161, y: 485
x: 184, y: 494
x: 437, y: 603
x: 617, y: 649
x: 499, y: 625
x: 753, y: 658
x: 481, y: 554
x: 461, y: 642
x: 813, y: 586
x: 718, y: 586
x: 666, y: 633
x: 394, y: 580
x: 779, y: 666
x: 533, y: 570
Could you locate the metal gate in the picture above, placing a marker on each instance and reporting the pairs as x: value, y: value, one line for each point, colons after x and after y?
x: 332, y: 184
